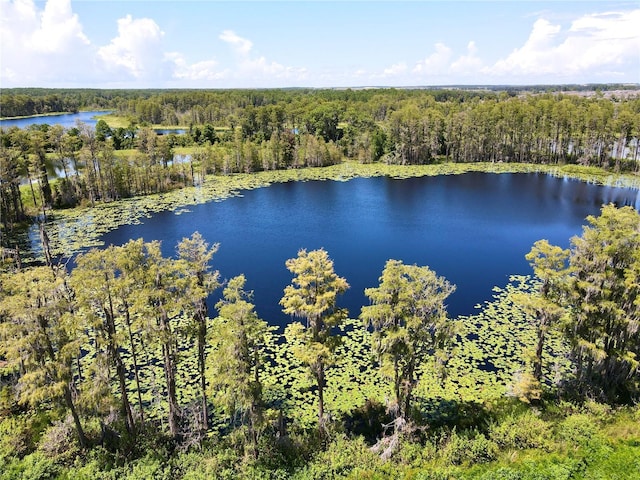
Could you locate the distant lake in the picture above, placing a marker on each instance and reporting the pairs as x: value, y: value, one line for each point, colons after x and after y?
x: 474, y: 229
x: 67, y: 120
x: 167, y: 131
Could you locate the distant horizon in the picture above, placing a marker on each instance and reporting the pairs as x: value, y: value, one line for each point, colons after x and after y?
x: 210, y: 44
x: 612, y: 85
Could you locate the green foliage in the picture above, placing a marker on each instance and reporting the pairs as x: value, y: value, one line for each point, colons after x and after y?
x: 342, y: 457
x: 526, y: 387
x: 15, y: 435
x: 238, y: 356
x: 312, y: 296
x: 470, y: 448
x: 34, y: 466
x: 409, y: 321
x: 59, y: 439
x: 520, y: 431
x: 605, y: 298
x: 580, y: 431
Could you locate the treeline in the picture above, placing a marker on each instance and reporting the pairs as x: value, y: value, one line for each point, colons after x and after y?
x: 24, y: 105
x: 246, y: 131
x: 416, y: 126
x: 124, y: 345
x: 90, y: 169
x: 24, y: 102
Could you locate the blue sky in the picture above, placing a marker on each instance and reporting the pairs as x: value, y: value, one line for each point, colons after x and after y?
x: 225, y: 44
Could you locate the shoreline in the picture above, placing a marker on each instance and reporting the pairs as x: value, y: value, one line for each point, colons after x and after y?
x: 72, y: 230
x: 50, y: 114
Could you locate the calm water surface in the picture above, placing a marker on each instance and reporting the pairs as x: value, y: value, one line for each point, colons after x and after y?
x: 474, y: 229
x: 67, y: 120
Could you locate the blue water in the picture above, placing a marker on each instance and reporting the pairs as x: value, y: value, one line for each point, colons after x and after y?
x: 167, y: 131
x: 67, y: 120
x: 474, y: 229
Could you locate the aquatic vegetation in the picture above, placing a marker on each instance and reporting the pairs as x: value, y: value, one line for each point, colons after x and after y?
x: 73, y: 230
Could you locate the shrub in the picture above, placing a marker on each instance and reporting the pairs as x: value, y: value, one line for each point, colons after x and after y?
x: 368, y: 420
x: 218, y: 463
x: 580, y: 431
x: 59, y: 439
x: 526, y: 388
x: 14, y: 438
x: 435, y: 474
x: 601, y: 411
x: 149, y: 468
x: 475, y: 448
x: 522, y: 431
x: 342, y: 457
x: 416, y: 454
x: 502, y: 473
x: 32, y: 467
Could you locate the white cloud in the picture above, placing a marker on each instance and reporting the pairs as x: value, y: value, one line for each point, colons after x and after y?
x: 437, y: 63
x: 596, y: 47
x: 239, y: 44
x: 59, y: 29
x: 249, y: 68
x: 136, y: 51
x: 40, y: 46
x: 46, y: 46
x: 260, y: 67
x: 199, y: 71
x: 592, y: 45
x: 468, y: 64
x: 444, y: 65
x: 395, y: 69
x: 44, y: 43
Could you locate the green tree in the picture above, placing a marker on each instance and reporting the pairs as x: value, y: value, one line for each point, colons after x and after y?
x: 103, y: 131
x: 129, y: 290
x: 312, y: 296
x: 95, y: 283
x: 11, y: 206
x: 37, y: 146
x: 237, y: 356
x: 604, y: 297
x: 165, y: 286
x: 209, y: 134
x: 410, y: 324
x: 40, y: 337
x: 89, y: 154
x: 197, y: 255
x: 549, y: 264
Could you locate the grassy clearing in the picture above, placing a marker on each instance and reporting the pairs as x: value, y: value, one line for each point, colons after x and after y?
x: 117, y: 121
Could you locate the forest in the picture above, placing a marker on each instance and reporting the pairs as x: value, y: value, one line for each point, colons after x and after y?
x: 119, y: 369
x: 264, y: 130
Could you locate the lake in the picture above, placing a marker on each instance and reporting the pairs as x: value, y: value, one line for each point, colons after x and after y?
x: 67, y: 120
x: 474, y: 229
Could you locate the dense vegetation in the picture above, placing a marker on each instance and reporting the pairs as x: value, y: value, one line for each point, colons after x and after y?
x: 247, y: 131
x: 117, y: 369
